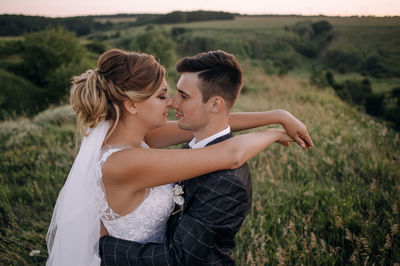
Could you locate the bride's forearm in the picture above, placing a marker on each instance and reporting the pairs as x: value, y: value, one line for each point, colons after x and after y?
x: 247, y: 120
x: 246, y: 146
x: 169, y: 134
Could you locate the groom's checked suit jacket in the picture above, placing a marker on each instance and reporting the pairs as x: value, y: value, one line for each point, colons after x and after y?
x: 203, y: 234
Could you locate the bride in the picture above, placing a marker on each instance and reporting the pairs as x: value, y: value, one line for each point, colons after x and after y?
x: 120, y: 176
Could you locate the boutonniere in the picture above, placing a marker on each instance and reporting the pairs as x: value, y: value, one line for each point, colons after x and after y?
x: 178, y: 199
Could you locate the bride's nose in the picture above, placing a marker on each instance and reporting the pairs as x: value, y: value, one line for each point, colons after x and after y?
x: 169, y: 102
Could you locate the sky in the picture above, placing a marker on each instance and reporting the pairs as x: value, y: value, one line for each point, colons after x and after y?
x: 65, y: 8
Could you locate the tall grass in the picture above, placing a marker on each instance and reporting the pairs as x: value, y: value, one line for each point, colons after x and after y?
x: 35, y: 159
x: 335, y: 204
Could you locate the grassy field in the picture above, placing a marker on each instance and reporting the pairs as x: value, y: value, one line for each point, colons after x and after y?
x: 336, y: 204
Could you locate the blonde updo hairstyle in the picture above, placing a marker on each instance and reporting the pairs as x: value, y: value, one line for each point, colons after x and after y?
x: 97, y: 95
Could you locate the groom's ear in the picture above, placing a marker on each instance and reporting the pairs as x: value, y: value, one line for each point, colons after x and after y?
x: 129, y: 106
x: 216, y: 104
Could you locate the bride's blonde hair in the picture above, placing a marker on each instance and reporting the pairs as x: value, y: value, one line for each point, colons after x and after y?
x: 97, y: 95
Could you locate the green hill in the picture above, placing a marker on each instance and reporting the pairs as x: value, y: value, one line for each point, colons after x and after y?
x: 16, y: 95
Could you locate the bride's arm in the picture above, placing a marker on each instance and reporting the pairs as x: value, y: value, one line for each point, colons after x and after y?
x: 142, y: 168
x: 171, y: 134
x: 168, y: 135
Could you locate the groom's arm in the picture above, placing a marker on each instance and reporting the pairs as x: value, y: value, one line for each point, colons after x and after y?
x: 217, y: 211
x: 293, y: 127
x: 115, y: 251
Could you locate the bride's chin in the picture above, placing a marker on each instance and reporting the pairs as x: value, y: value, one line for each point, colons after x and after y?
x: 164, y: 122
x: 161, y: 124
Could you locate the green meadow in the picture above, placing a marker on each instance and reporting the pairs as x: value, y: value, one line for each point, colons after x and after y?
x: 337, y: 204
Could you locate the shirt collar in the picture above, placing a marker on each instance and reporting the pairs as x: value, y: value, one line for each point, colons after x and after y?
x: 194, y: 145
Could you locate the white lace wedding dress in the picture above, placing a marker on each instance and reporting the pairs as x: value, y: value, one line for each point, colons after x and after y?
x: 147, y: 223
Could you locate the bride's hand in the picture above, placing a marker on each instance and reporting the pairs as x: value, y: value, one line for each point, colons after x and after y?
x: 284, y: 138
x: 296, y: 130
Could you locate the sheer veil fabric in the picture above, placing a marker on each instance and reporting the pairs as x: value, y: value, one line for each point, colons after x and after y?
x: 74, y: 231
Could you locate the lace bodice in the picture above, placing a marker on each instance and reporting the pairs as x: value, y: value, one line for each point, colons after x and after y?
x: 147, y: 223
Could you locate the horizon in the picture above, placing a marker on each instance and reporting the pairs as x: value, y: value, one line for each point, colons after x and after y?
x: 73, y: 8
x: 163, y: 13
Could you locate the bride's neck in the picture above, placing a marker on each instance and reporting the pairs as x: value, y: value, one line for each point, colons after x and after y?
x: 126, y: 133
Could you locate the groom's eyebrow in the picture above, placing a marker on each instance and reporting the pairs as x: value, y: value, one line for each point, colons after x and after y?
x: 182, y: 92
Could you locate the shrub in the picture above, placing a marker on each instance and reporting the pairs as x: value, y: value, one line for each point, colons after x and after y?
x: 395, y: 93
x: 59, y: 81
x: 18, y: 95
x: 311, y: 38
x: 392, y: 114
x: 303, y: 28
x: 191, y: 45
x: 318, y: 78
x: 50, y: 59
x: 178, y: 31
x: 282, y: 55
x: 356, y: 91
x: 47, y: 50
x: 96, y: 47
x: 55, y: 116
x: 341, y: 61
x: 10, y: 47
x: 155, y: 41
x: 374, y: 104
x: 373, y: 66
x: 321, y: 27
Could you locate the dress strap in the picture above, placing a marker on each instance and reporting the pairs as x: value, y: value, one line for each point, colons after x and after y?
x: 106, y: 151
x: 106, y: 212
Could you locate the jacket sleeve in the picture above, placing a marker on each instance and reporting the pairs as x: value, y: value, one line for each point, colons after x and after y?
x: 217, y: 209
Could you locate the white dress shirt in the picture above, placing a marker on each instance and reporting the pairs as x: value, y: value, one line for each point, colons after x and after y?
x: 193, y: 144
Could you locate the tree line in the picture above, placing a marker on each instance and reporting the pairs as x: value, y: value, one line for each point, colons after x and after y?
x: 16, y: 25
x: 183, y: 17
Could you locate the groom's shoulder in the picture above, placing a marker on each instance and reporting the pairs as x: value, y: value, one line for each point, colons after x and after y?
x: 237, y: 172
x: 241, y: 173
x: 239, y: 176
x: 232, y: 184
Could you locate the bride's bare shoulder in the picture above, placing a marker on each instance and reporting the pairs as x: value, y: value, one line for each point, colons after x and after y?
x: 119, y: 161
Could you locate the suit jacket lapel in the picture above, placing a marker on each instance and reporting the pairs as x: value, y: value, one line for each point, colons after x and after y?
x: 174, y: 219
x: 219, y: 139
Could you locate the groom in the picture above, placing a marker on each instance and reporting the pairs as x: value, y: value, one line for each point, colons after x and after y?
x: 215, y: 204
x: 201, y: 232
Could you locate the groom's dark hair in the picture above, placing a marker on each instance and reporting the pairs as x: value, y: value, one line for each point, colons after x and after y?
x: 220, y: 74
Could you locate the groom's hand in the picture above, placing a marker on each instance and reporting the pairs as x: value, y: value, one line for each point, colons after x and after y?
x: 103, y: 230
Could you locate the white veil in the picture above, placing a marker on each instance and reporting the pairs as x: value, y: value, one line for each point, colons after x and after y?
x: 74, y: 231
